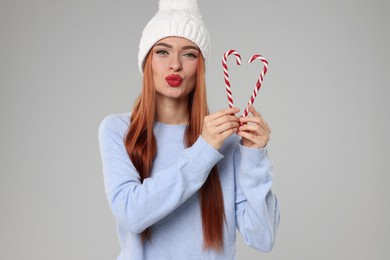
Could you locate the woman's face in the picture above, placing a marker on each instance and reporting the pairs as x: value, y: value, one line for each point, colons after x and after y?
x: 174, y: 66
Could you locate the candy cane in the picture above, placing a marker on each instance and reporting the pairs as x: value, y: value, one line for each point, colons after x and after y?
x: 226, y: 74
x: 259, y: 81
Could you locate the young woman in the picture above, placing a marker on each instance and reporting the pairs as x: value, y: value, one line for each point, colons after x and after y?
x: 179, y: 180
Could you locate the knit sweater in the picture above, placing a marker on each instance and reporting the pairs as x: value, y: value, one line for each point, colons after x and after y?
x: 168, y: 201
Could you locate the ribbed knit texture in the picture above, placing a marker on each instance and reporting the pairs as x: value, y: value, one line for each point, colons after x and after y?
x: 168, y: 201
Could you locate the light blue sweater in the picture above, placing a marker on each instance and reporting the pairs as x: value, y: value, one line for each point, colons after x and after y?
x: 168, y: 200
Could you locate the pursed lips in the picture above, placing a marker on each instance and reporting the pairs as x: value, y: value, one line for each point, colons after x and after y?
x: 174, y: 80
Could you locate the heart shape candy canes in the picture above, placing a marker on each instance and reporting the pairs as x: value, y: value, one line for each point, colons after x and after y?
x: 258, y: 83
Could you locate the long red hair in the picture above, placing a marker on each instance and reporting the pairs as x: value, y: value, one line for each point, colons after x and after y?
x: 141, y: 147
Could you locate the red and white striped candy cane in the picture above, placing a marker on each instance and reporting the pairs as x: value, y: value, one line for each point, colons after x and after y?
x: 259, y: 81
x: 226, y: 74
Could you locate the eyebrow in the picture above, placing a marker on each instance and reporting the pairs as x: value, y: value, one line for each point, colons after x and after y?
x: 187, y: 47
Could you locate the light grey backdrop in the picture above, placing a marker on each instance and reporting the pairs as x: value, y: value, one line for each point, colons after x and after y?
x: 66, y: 64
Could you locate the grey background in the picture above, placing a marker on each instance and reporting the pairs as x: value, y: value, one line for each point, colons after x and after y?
x: 66, y: 64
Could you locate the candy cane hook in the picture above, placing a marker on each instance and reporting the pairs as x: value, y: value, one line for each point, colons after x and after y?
x: 226, y: 74
x: 259, y: 81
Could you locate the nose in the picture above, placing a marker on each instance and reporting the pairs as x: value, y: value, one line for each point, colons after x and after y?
x: 175, y: 63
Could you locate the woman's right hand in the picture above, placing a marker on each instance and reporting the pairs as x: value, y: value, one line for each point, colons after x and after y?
x: 219, y: 126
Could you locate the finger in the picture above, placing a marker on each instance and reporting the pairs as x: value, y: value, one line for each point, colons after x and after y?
x: 252, y: 119
x: 256, y: 120
x: 258, y: 129
x: 258, y: 141
x: 255, y: 113
x: 228, y: 133
x: 227, y: 126
x: 254, y: 128
x: 227, y: 111
x: 251, y: 137
x: 225, y: 119
x: 253, y: 110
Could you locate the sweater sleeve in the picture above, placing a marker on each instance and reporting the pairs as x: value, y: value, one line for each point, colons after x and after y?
x: 257, y: 208
x: 136, y: 205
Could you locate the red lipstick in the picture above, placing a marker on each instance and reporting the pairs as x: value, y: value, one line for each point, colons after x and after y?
x: 174, y: 80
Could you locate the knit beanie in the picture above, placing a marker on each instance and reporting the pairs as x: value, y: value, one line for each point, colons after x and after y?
x: 179, y: 18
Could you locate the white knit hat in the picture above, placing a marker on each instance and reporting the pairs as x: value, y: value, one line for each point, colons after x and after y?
x: 179, y: 18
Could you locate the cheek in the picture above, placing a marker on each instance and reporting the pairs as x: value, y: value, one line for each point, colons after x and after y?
x: 192, y: 71
x: 156, y: 69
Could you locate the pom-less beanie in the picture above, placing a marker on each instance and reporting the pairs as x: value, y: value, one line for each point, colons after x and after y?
x: 179, y: 18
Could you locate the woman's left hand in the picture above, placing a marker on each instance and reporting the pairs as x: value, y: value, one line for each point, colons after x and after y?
x: 255, y: 132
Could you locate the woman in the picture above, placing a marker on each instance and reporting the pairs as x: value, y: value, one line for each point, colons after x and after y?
x: 179, y: 181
